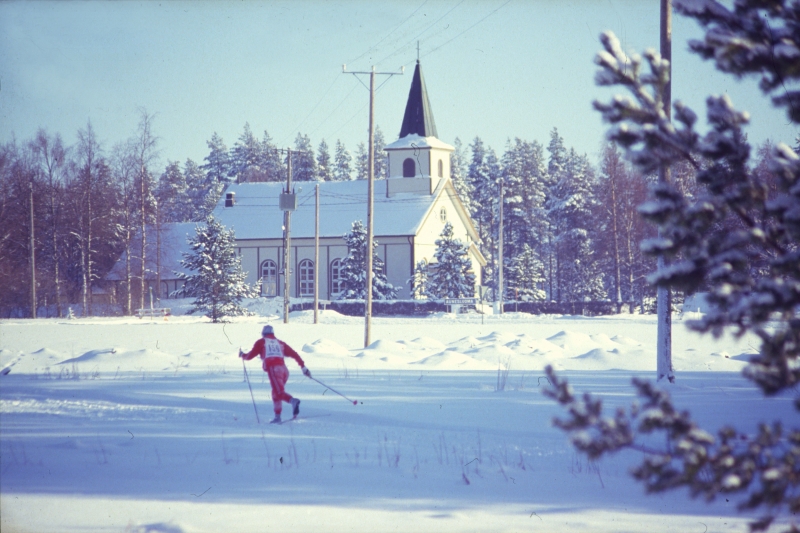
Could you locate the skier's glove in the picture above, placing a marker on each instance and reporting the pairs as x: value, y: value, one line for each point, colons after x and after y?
x: 241, y: 353
x: 306, y: 372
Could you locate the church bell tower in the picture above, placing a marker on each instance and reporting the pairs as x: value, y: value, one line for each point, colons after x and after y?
x: 418, y: 160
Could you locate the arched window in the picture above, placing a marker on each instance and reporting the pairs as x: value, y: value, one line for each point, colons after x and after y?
x: 409, y: 168
x: 269, y: 278
x: 336, y: 278
x: 443, y: 214
x: 306, y: 278
x: 441, y: 168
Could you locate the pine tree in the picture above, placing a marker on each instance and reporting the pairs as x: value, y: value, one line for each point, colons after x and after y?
x: 174, y: 203
x: 304, y: 166
x: 343, y: 170
x: 218, y: 282
x: 381, y: 162
x: 354, y: 268
x: 270, y: 160
x: 324, y: 166
x: 712, y: 239
x: 362, y: 162
x: 247, y: 158
x: 203, y: 189
x: 218, y: 164
x: 459, y: 175
x: 419, y: 281
x: 483, y: 176
x: 453, y: 276
x: 526, y: 275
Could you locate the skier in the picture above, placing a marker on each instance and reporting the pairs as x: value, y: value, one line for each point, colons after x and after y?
x: 272, y: 352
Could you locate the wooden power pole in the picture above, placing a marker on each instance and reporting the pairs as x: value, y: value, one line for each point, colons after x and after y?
x: 316, y: 254
x: 370, y: 185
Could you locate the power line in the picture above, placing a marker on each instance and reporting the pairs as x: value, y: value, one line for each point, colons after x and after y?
x: 312, y: 110
x: 465, y: 31
x: 373, y: 47
x: 397, y: 50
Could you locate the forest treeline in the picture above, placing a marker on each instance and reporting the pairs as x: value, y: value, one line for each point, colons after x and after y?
x: 571, y: 229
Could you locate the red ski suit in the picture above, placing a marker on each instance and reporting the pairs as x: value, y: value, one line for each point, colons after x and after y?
x: 272, y: 351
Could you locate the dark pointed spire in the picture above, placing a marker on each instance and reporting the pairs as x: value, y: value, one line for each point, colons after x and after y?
x: 418, y: 118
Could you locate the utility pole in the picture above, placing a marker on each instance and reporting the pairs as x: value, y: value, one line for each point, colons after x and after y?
x: 664, y: 296
x: 500, y: 285
x: 33, y: 257
x: 370, y: 184
x: 288, y: 203
x: 316, y: 254
x: 287, y: 241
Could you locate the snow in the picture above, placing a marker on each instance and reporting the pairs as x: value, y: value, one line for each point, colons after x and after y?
x: 127, y: 424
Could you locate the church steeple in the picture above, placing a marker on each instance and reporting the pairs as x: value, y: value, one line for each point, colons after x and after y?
x: 418, y: 118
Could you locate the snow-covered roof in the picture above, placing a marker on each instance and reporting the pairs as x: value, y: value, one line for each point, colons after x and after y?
x: 415, y: 141
x: 174, y: 241
x: 256, y: 215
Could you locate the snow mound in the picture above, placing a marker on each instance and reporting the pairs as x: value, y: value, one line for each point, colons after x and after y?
x: 88, y: 356
x: 387, y: 346
x: 627, y: 341
x: 449, y: 360
x: 325, y: 346
x: 600, y: 359
x: 424, y: 343
x: 573, y: 342
x: 491, y: 353
x: 465, y: 343
x: 498, y: 337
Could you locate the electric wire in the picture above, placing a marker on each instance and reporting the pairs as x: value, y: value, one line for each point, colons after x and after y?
x: 465, y: 31
x: 373, y: 47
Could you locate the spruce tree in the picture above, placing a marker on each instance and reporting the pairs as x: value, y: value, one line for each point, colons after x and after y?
x: 361, y: 162
x: 247, y: 158
x: 452, y: 276
x: 354, y: 268
x: 217, y: 282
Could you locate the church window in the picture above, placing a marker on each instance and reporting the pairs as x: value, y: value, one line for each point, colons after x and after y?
x: 269, y: 278
x: 306, y: 278
x: 443, y: 214
x: 441, y: 168
x: 336, y: 277
x: 409, y: 168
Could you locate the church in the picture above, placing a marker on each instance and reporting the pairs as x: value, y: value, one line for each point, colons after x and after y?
x: 411, y: 207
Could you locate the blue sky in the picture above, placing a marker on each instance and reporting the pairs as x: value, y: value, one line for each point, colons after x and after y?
x: 497, y: 69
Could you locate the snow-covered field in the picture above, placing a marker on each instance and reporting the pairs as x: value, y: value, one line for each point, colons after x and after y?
x: 121, y: 424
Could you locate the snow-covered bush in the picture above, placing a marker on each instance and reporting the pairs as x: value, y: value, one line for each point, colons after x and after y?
x: 734, y: 220
x: 217, y: 282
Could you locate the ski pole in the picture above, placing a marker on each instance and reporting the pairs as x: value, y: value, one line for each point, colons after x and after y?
x: 355, y: 402
x: 247, y: 378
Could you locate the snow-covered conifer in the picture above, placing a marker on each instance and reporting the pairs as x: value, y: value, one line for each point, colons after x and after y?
x: 712, y: 240
x: 526, y: 275
x: 354, y: 268
x: 216, y: 281
x: 419, y: 281
x: 304, y: 166
x: 343, y: 170
x: 174, y: 203
x: 218, y: 161
x: 203, y: 190
x: 324, y: 164
x: 452, y: 276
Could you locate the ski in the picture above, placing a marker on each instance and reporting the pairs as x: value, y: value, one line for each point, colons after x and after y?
x: 302, y: 417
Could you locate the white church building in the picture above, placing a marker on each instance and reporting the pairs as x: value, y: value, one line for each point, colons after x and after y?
x: 410, y: 210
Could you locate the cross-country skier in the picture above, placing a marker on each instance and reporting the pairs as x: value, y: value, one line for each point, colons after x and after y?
x: 272, y: 352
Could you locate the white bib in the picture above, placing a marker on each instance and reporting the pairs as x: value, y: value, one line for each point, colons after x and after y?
x: 272, y: 348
